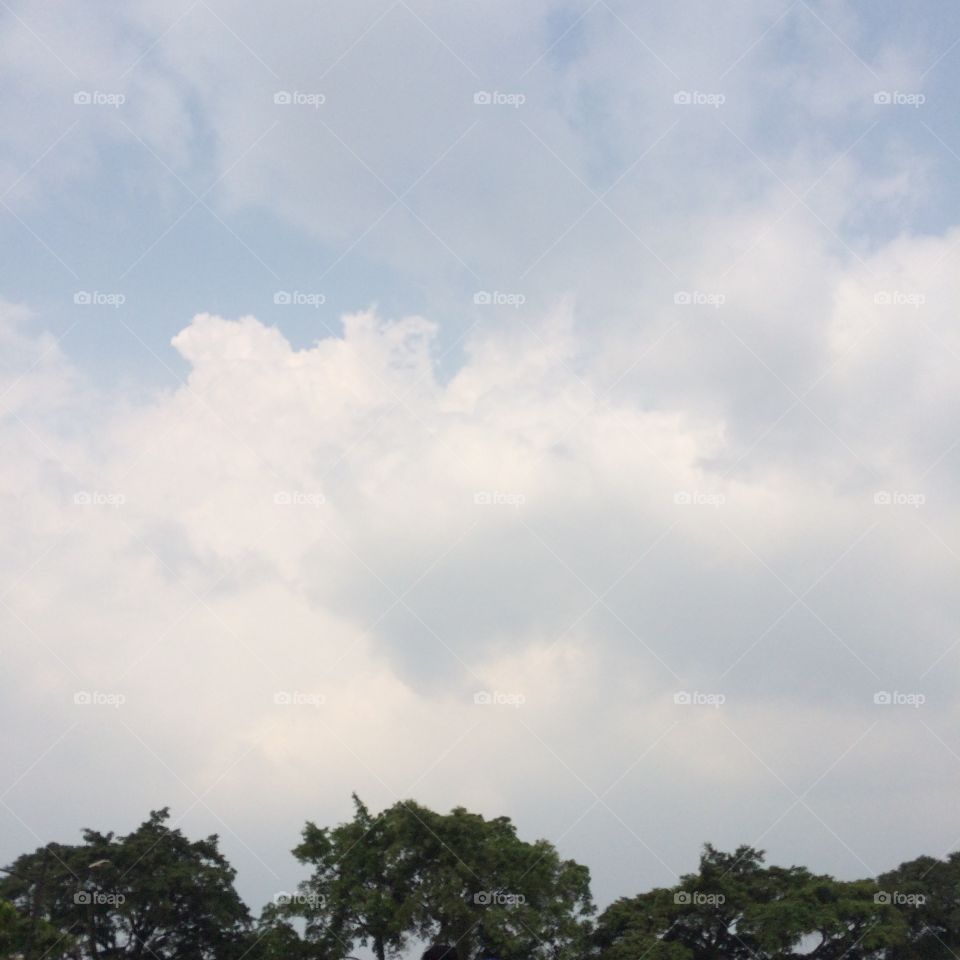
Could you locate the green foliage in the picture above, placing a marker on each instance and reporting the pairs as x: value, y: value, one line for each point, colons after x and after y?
x: 739, y: 909
x: 152, y: 893
x: 21, y: 936
x: 926, y: 892
x: 387, y: 881
x: 453, y: 878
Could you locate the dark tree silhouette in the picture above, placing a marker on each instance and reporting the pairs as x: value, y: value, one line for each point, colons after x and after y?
x: 440, y: 951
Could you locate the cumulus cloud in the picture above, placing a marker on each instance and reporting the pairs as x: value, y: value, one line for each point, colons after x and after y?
x: 294, y: 564
x: 719, y: 470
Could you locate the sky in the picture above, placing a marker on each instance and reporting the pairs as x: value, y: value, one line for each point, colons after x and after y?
x: 546, y: 408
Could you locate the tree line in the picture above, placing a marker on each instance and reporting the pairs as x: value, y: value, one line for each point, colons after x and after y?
x: 467, y: 887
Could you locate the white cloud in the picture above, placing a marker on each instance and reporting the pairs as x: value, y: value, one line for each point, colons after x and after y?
x: 610, y: 499
x: 577, y: 581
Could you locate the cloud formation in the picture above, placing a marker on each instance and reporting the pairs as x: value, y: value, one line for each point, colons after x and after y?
x: 299, y: 568
x: 643, y: 533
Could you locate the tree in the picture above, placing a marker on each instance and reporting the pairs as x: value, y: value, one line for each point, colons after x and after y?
x: 487, y: 892
x: 467, y: 885
x: 926, y: 892
x: 24, y: 936
x: 354, y: 895
x: 273, y: 938
x: 152, y: 893
x: 736, y: 908
x: 444, y: 878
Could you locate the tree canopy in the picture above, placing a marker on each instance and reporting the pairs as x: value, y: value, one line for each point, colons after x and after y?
x: 410, y: 873
x: 737, y: 908
x: 406, y: 878
x: 151, y: 893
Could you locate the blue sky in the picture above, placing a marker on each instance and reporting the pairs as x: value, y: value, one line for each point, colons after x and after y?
x: 103, y: 207
x: 620, y: 362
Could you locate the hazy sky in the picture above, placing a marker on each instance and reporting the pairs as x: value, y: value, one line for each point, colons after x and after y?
x: 359, y: 358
